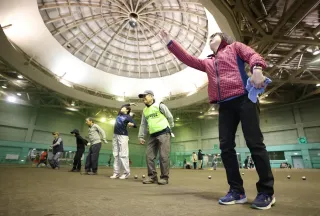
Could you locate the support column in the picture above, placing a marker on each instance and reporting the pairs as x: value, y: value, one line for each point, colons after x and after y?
x: 298, y: 121
x: 31, y: 125
x: 306, y: 158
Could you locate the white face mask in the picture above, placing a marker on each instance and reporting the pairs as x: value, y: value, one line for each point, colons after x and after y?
x: 215, y: 43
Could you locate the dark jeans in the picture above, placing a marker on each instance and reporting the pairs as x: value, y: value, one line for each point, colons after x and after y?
x: 77, y: 159
x: 230, y: 114
x: 194, y: 165
x: 93, y: 157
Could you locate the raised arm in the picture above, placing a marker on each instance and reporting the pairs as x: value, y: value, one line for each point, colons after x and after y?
x: 182, y: 54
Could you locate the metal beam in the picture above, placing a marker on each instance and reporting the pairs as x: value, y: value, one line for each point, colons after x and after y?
x: 151, y: 51
x: 310, y: 94
x: 110, y: 41
x: 241, y: 9
x: 307, y: 8
x: 284, y: 59
x: 163, y: 9
x: 90, y: 5
x: 289, y: 40
x: 94, y: 34
x: 81, y: 22
x: 146, y: 5
x: 57, y: 19
x: 287, y: 15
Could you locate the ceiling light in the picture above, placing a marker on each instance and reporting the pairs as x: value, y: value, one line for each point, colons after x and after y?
x: 4, y: 86
x: 112, y: 121
x: 72, y: 109
x: 70, y: 151
x: 11, y: 99
x: 192, y: 92
x: 212, y: 108
x: 316, y: 51
x: 66, y: 83
x: 267, y: 95
x: 120, y: 98
x: 103, y: 119
x: 20, y: 76
x: 19, y: 94
x: 201, y: 112
x: 318, y: 85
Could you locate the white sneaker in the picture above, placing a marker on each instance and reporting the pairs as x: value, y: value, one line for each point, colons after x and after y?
x: 125, y: 176
x: 114, y: 176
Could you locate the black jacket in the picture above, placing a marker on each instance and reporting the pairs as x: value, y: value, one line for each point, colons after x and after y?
x: 81, y: 143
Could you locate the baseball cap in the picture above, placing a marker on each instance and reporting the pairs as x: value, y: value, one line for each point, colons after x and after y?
x: 146, y: 92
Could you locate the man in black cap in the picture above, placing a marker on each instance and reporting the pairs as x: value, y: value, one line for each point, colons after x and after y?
x: 158, y: 119
x: 81, y: 143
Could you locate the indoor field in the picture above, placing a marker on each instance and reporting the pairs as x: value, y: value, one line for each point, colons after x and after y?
x: 57, y: 192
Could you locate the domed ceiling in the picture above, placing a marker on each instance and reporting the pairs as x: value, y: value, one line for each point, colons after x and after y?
x: 121, y: 37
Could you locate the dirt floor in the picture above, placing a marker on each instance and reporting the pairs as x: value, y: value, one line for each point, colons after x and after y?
x: 45, y: 192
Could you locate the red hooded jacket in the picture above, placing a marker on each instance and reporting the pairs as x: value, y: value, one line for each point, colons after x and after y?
x: 226, y: 73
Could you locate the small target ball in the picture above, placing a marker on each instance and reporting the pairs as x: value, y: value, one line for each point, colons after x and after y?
x: 288, y: 177
x: 209, y: 177
x: 242, y: 173
x: 143, y: 176
x: 304, y: 178
x: 135, y: 177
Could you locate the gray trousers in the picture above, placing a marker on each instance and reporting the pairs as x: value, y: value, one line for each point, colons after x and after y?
x: 54, y: 161
x: 160, y: 143
x: 120, y: 150
x: 92, y: 158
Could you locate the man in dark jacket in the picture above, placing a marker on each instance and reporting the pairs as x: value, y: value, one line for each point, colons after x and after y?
x: 200, y: 158
x: 81, y: 143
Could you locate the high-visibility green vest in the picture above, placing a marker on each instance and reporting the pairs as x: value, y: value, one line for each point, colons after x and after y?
x: 156, y: 120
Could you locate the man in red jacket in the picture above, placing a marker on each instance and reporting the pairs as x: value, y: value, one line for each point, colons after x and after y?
x: 227, y: 80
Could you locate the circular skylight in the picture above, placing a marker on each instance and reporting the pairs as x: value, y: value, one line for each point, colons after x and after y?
x: 121, y: 37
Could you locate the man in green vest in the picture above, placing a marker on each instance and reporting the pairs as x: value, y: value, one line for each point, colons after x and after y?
x: 158, y: 119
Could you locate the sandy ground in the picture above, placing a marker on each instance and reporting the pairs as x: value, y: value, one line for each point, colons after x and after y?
x: 46, y: 192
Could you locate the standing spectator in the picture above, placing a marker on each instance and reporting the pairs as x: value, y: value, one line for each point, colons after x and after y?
x: 200, y: 158
x: 81, y: 145
x: 57, y: 150
x: 194, y: 160
x: 96, y: 134
x: 246, y: 162
x: 215, y: 161
x: 184, y: 163
x: 251, y: 163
